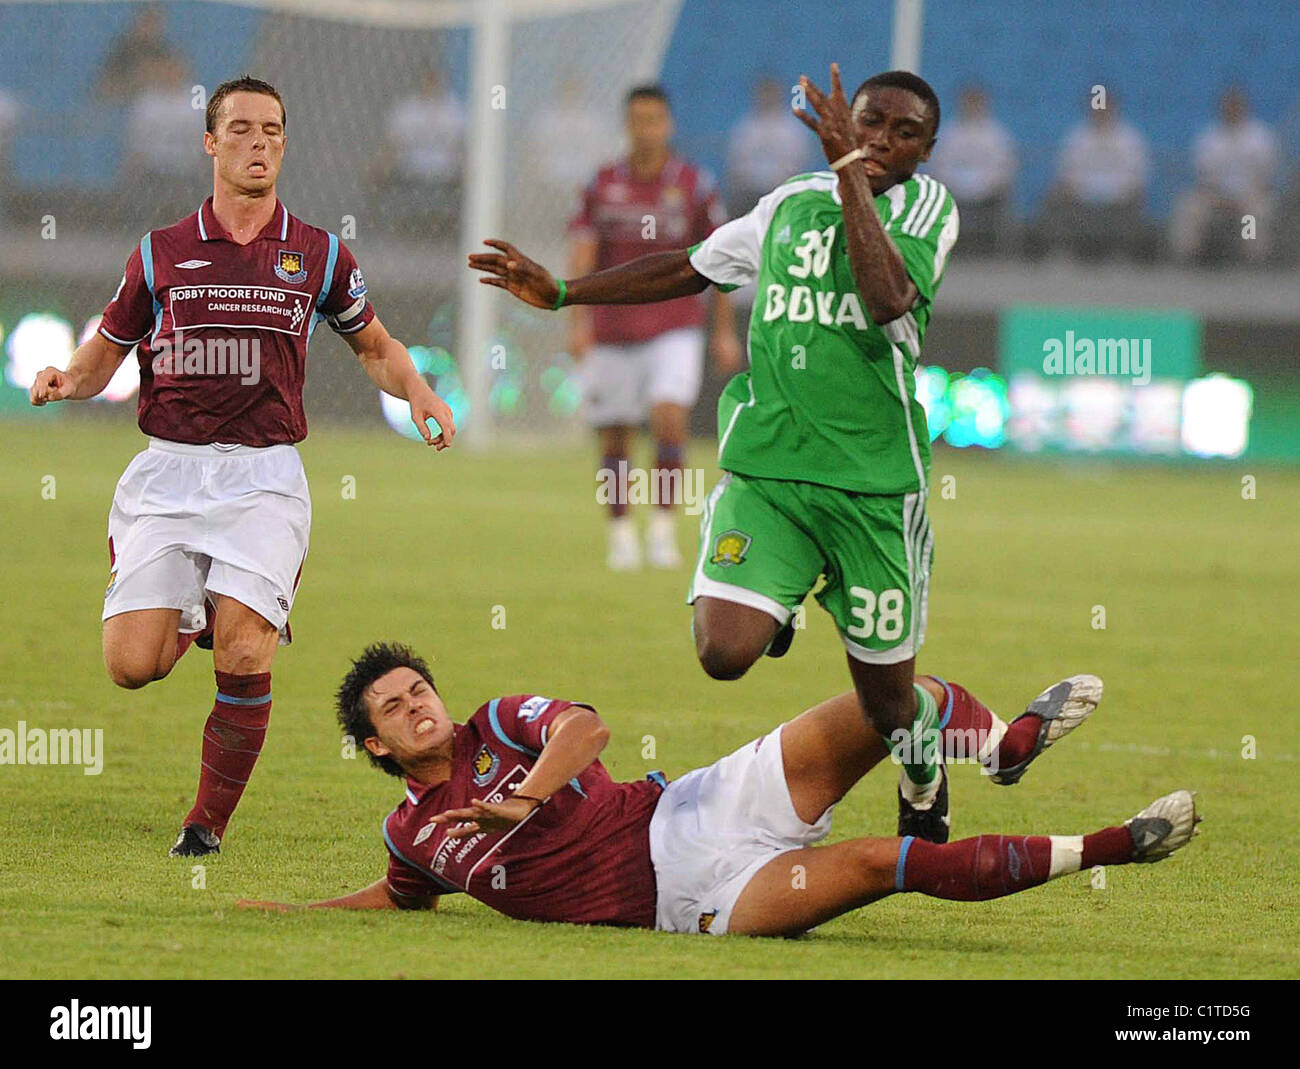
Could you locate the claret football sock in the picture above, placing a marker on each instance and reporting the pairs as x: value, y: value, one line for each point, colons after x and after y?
x: 668, y: 462
x: 617, y: 465
x: 232, y: 741
x: 971, y: 729
x: 991, y: 866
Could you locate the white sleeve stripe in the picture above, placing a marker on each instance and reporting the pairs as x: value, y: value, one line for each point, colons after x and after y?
x: 344, y: 330
x: 921, y: 210
x: 921, y: 192
x: 935, y: 197
x: 947, y: 237
x: 122, y: 341
x: 929, y: 220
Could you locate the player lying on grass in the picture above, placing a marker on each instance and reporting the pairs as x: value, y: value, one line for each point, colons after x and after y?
x: 515, y: 809
x: 822, y: 442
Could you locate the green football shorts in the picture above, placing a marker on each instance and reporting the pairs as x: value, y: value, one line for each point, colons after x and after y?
x: 765, y: 542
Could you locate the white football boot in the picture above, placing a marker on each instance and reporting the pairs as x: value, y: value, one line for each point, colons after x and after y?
x: 1062, y: 708
x: 1166, y: 825
x: 661, y: 540
x: 624, y: 554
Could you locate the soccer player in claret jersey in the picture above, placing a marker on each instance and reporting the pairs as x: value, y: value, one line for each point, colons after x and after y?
x: 647, y: 361
x: 823, y: 443
x: 515, y: 809
x: 209, y: 525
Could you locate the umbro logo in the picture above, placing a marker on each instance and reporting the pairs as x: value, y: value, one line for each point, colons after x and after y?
x: 190, y: 265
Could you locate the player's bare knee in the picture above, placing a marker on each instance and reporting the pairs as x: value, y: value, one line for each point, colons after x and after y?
x: 875, y: 860
x: 723, y: 660
x: 242, y: 660
x: 132, y: 672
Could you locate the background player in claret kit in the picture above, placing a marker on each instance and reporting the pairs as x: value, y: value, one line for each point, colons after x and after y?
x: 823, y: 443
x: 515, y: 809
x: 646, y: 362
x: 209, y: 526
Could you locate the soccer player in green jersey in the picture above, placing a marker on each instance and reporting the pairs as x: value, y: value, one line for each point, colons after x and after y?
x: 823, y: 444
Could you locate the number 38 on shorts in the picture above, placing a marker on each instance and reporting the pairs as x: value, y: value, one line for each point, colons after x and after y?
x: 766, y: 542
x: 881, y: 617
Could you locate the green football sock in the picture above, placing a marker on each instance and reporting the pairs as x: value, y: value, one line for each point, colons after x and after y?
x: 919, y: 754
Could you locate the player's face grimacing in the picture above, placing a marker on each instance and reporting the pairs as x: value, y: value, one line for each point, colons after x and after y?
x: 895, y: 128
x: 410, y: 722
x: 248, y: 145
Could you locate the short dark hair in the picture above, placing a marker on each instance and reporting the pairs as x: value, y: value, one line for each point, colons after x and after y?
x: 648, y: 92
x: 913, y: 83
x: 350, y: 702
x: 245, y: 83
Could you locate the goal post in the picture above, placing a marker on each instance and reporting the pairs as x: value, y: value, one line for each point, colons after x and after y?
x: 416, y: 128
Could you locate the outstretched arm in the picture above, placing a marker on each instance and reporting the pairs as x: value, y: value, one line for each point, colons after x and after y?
x: 389, y: 366
x: 660, y: 276
x: 92, y: 365
x: 377, y: 896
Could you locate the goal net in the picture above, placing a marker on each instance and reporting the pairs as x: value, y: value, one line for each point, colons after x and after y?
x: 415, y: 128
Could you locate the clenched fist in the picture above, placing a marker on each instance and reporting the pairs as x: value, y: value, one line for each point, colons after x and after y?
x: 51, y: 385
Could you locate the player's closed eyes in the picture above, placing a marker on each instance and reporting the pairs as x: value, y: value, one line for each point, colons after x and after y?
x: 393, y: 704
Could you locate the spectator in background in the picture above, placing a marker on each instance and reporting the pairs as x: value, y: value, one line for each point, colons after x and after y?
x: 765, y: 148
x: 976, y: 160
x: 134, y: 56
x: 420, y: 166
x: 1096, y: 206
x: 164, y: 143
x: 1236, y: 161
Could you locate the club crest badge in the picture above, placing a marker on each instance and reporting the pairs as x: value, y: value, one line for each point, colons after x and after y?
x: 730, y: 548
x: 290, y: 267
x: 486, y: 764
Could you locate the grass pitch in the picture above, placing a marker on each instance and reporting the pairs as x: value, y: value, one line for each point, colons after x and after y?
x: 1196, y: 583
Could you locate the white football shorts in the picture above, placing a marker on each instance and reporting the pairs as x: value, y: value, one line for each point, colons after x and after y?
x: 190, y: 520
x: 714, y: 828
x: 620, y: 383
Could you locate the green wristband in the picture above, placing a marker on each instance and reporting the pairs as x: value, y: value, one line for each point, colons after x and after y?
x: 559, y: 297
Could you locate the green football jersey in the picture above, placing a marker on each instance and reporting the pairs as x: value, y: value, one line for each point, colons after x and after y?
x: 830, y: 397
